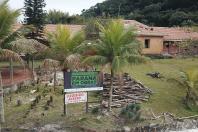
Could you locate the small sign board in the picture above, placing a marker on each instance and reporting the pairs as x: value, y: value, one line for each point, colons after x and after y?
x: 72, y: 98
x: 82, y: 81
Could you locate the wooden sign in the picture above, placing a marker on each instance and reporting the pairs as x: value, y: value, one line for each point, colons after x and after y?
x: 82, y: 81
x: 72, y: 98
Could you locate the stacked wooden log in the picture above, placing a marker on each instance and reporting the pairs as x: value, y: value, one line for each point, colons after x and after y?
x: 126, y: 90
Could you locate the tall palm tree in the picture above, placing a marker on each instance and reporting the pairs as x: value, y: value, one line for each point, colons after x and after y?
x: 64, y: 43
x: 117, y: 47
x: 189, y: 80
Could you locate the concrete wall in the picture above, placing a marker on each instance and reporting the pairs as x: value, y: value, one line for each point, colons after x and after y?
x: 156, y: 44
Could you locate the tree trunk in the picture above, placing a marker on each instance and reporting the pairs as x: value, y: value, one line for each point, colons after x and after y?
x: 11, y: 71
x: 111, y: 91
x: 32, y: 64
x: 2, y: 119
x: 54, y: 79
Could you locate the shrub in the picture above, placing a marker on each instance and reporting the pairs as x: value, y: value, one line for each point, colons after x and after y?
x: 95, y: 110
x: 131, y: 112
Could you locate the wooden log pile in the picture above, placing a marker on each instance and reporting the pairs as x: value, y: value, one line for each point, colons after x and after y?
x: 126, y: 90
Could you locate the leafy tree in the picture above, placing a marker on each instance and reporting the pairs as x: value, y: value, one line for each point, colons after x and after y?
x: 57, y: 17
x: 64, y: 43
x: 35, y: 15
x: 178, y: 18
x: 117, y: 47
x: 152, y: 12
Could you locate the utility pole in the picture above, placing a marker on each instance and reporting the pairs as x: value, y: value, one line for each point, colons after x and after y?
x: 2, y: 118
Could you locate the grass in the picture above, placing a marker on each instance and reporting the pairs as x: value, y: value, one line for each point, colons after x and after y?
x: 167, y: 97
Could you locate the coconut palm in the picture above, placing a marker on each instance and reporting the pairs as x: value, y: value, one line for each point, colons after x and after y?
x: 64, y: 43
x: 116, y: 48
x: 189, y: 80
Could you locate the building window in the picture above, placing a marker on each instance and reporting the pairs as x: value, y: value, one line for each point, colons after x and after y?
x: 147, y: 43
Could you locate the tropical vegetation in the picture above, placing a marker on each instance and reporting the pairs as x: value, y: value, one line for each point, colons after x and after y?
x: 189, y: 81
x: 65, y: 44
x: 35, y: 15
x: 151, y: 12
x: 59, y: 17
x: 117, y: 47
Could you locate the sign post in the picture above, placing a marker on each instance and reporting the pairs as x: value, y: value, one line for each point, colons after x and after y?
x: 78, y: 84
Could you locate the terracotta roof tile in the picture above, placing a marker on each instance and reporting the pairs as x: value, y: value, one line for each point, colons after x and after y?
x: 169, y: 34
x: 176, y: 34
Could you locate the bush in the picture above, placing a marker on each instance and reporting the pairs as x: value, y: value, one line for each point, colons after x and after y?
x: 131, y: 112
x: 95, y: 110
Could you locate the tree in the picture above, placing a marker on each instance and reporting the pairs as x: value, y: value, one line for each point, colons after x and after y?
x: 35, y: 15
x: 64, y: 43
x: 117, y: 47
x: 57, y: 17
x: 7, y: 19
x: 189, y: 80
x: 152, y: 12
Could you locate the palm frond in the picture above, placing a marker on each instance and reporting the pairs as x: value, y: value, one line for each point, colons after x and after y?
x: 76, y: 40
x: 95, y: 60
x: 118, y: 63
x: 63, y: 41
x: 178, y: 82
x: 7, y: 18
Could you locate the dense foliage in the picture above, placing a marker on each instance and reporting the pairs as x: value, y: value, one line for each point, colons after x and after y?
x: 59, y: 17
x: 35, y: 15
x: 152, y: 12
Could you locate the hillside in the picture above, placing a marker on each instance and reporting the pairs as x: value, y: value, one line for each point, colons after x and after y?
x: 151, y: 12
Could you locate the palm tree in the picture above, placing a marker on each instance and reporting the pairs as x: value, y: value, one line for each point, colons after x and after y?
x: 189, y: 80
x: 7, y: 19
x: 117, y: 47
x: 64, y: 43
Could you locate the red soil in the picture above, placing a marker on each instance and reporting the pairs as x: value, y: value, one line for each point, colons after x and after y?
x: 20, y: 75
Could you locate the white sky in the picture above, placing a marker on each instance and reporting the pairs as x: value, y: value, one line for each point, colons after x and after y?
x: 71, y: 6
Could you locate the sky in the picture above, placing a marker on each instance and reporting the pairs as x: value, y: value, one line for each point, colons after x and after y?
x: 71, y: 6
